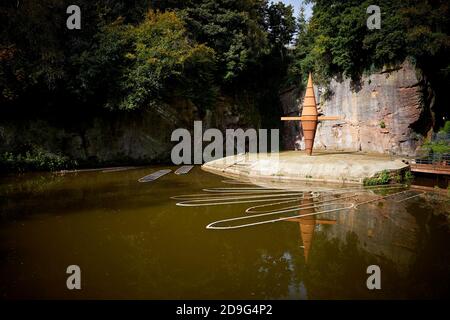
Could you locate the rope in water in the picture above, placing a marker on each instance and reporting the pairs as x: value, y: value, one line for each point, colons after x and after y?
x: 239, y: 200
x: 417, y: 195
x: 217, y: 194
x: 212, y: 224
x: 291, y: 208
x: 234, y: 191
x: 278, y: 197
x: 209, y: 199
x: 381, y: 198
x: 251, y: 209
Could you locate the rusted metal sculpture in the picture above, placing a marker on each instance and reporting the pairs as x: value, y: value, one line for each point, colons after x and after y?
x: 310, y: 117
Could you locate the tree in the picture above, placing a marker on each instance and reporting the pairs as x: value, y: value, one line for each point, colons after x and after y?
x: 281, y: 25
x: 338, y: 43
x: 158, y: 60
x: 233, y: 29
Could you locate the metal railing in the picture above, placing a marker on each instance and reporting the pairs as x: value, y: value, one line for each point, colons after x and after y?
x: 434, y: 159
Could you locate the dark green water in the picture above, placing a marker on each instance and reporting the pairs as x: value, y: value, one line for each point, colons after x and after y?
x: 131, y: 241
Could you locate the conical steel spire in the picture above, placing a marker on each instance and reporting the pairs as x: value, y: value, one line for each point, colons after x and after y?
x: 309, y: 116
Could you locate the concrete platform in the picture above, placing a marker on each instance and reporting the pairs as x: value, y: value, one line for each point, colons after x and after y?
x: 329, y: 167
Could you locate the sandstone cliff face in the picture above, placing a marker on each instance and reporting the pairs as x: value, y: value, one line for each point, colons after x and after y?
x: 114, y: 139
x: 118, y: 138
x: 378, y: 116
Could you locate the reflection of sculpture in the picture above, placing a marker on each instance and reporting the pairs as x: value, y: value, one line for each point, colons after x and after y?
x: 310, y: 117
x: 307, y: 225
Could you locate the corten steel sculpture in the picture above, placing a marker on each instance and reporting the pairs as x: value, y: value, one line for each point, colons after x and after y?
x: 310, y: 117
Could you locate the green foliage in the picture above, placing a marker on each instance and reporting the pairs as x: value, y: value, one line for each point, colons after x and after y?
x: 240, y: 32
x: 281, y: 22
x: 126, y: 57
x: 380, y: 179
x: 38, y: 54
x: 345, y: 44
x: 408, y: 177
x: 441, y: 145
x: 42, y: 65
x: 146, y: 64
x: 162, y: 58
x: 302, y: 61
x: 437, y: 147
x: 35, y: 160
x: 385, y: 178
x: 233, y: 29
x: 446, y: 128
x: 382, y: 124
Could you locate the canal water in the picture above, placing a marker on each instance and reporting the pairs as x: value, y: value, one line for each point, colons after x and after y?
x: 131, y: 241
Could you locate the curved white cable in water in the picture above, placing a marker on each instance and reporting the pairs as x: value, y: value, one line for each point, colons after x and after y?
x: 277, y: 197
x: 211, y: 225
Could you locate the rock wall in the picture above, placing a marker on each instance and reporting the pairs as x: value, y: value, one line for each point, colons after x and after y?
x: 378, y: 115
x: 100, y: 140
x: 291, y: 131
x: 117, y: 138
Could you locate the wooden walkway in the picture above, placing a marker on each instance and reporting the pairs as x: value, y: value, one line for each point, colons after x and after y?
x: 430, y: 168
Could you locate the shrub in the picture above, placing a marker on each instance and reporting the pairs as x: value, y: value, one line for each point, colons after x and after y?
x: 409, y: 177
x: 382, y: 178
x: 446, y: 128
x: 35, y: 160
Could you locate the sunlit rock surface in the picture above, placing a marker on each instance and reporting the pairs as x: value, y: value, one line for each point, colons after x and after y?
x: 379, y: 114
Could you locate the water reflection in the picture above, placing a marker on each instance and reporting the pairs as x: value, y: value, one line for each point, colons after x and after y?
x: 131, y: 241
x: 307, y: 225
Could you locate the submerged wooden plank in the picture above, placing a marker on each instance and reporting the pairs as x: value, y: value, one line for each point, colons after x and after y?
x: 155, y: 175
x: 183, y: 169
